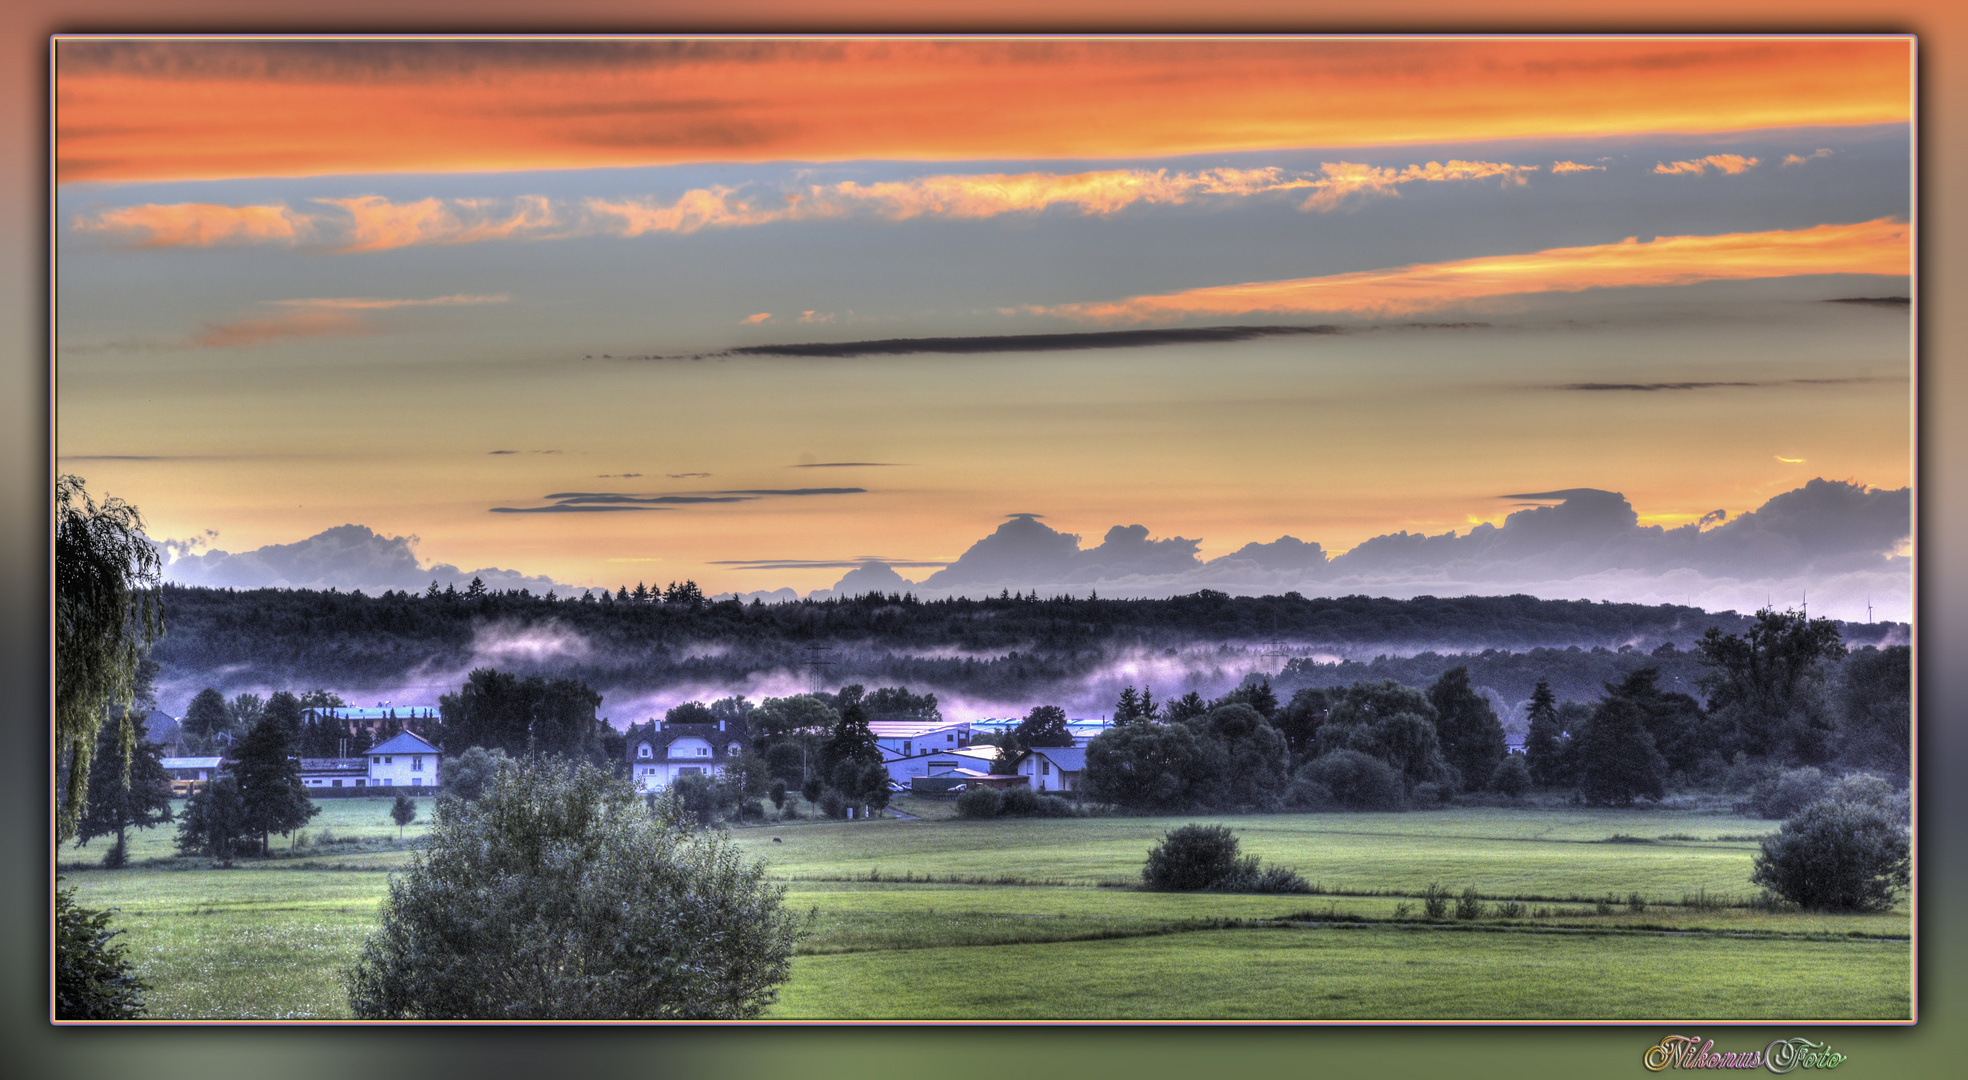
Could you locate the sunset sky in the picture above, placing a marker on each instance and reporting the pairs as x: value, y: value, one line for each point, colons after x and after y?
x: 507, y: 296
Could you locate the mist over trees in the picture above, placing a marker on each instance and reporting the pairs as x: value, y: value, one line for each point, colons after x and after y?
x: 1004, y: 646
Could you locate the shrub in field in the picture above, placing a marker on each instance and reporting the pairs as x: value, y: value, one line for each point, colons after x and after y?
x: 1636, y: 903
x: 1510, y: 909
x: 1785, y: 793
x: 833, y: 803
x: 1196, y: 857
x: 1435, y: 901
x: 93, y: 979
x: 1836, y: 856
x: 1019, y: 802
x: 1306, y: 793
x: 1512, y: 776
x: 979, y: 802
x: 1469, y: 905
x: 557, y: 895
x: 1356, y: 780
x: 1873, y: 789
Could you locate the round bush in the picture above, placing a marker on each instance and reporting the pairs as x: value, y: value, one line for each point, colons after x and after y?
x: 979, y: 802
x: 1019, y: 802
x: 1512, y: 776
x: 1836, y: 856
x: 1356, y: 780
x: 1191, y: 857
x: 833, y: 803
x: 1788, y: 792
x: 558, y: 895
x: 1054, y: 806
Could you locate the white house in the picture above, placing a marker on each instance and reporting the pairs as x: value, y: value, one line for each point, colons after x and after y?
x: 1053, y: 768
x: 661, y: 751
x: 403, y: 761
x: 189, y: 773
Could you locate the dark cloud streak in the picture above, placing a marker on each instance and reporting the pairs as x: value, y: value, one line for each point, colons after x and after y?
x: 1006, y: 343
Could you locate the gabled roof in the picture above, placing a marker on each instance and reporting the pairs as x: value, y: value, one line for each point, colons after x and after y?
x: 660, y: 737
x: 1068, y: 758
x: 406, y: 743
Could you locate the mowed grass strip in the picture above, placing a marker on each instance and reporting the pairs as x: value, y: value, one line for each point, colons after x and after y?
x: 1363, y: 973
x: 1503, y: 853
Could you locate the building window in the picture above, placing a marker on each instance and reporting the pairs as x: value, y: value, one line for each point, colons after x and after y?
x: 361, y: 783
x: 416, y: 781
x: 417, y: 763
x: 703, y: 751
x: 389, y: 761
x: 905, y: 748
x: 642, y: 751
x: 378, y: 761
x: 336, y: 783
x: 1045, y: 767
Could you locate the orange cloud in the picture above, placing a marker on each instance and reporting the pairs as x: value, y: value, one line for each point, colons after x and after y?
x: 299, y: 324
x: 1728, y: 163
x: 363, y: 303
x: 754, y: 320
x: 379, y: 225
x: 1796, y: 159
x: 1573, y: 166
x: 178, y: 109
x: 196, y: 224
x: 1872, y: 247
x: 1343, y: 179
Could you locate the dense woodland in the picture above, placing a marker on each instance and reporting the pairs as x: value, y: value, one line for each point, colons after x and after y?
x: 1003, y: 647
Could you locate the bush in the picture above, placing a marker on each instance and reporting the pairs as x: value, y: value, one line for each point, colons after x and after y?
x: 93, y: 979
x: 1356, y: 780
x: 1836, y: 856
x: 557, y: 895
x: 1872, y: 789
x: 1197, y: 857
x: 1019, y: 802
x: 1435, y: 901
x: 833, y: 804
x: 1512, y: 776
x: 1306, y: 793
x: 1786, y: 793
x: 470, y: 773
x: 979, y: 802
x: 1469, y: 905
x: 1190, y: 858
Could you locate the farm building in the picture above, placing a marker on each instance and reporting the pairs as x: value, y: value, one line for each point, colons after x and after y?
x: 1083, y: 731
x: 903, y: 770
x: 187, y: 773
x: 900, y: 738
x: 659, y: 751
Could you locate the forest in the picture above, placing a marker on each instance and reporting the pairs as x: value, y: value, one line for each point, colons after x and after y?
x: 1006, y: 647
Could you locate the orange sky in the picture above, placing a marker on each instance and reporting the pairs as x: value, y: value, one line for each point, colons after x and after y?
x: 152, y: 111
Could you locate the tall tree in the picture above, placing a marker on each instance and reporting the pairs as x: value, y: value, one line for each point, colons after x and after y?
x: 1541, y: 744
x: 1299, y: 719
x: 1128, y: 709
x: 108, y: 610
x: 1391, y: 722
x: 287, y: 709
x: 272, y: 797
x: 1471, y: 735
x: 1875, y: 699
x: 1045, y: 725
x: 852, y: 746
x: 1258, y: 695
x: 207, y: 715
x: 1616, y: 756
x: 1768, y: 684
x: 128, y: 787
x: 214, y: 821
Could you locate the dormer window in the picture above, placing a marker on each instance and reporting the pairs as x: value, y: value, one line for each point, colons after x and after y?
x: 703, y: 751
x: 733, y: 750
x: 643, y: 751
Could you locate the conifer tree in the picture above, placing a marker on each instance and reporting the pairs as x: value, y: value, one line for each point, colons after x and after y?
x: 1543, y: 753
x: 272, y: 797
x: 128, y: 787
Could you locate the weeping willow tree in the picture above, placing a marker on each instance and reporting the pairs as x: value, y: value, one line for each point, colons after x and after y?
x: 107, y: 613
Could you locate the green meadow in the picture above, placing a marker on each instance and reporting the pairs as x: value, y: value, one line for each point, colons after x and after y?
x: 944, y: 918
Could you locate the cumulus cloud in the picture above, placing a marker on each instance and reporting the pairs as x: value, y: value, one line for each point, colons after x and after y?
x: 1799, y: 159
x: 1837, y: 540
x: 1731, y: 164
x: 1558, y: 167
x: 346, y: 557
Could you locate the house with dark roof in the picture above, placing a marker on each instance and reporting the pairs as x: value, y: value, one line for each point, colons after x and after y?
x: 660, y: 751
x: 1053, y: 768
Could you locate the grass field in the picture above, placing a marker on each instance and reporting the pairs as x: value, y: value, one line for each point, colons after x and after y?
x: 946, y: 918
